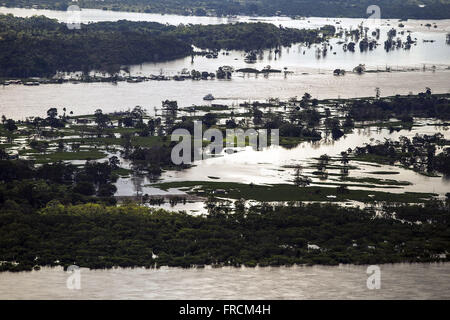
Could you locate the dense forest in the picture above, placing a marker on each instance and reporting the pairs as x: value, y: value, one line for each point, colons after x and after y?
x: 39, y: 46
x: 432, y: 9
x: 424, y: 105
x: 97, y: 236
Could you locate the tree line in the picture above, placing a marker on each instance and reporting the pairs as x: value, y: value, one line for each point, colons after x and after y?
x: 98, y: 236
x: 423, y: 105
x: 421, y: 153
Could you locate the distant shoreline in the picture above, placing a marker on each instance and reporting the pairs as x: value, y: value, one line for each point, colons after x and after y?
x: 212, y: 15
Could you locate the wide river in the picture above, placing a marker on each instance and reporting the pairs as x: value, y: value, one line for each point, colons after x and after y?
x: 398, y: 281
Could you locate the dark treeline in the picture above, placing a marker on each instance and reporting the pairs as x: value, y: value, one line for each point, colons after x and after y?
x: 32, y: 187
x: 97, y: 236
x: 433, y: 9
x: 243, y: 36
x: 424, y: 105
x: 420, y: 153
x: 39, y: 46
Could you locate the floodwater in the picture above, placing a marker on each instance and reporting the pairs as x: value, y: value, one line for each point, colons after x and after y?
x: 398, y: 281
x: 19, y: 102
x: 268, y: 166
x: 308, y: 72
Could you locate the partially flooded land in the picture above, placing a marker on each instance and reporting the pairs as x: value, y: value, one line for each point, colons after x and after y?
x: 360, y: 173
x: 305, y: 68
x: 122, y: 163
